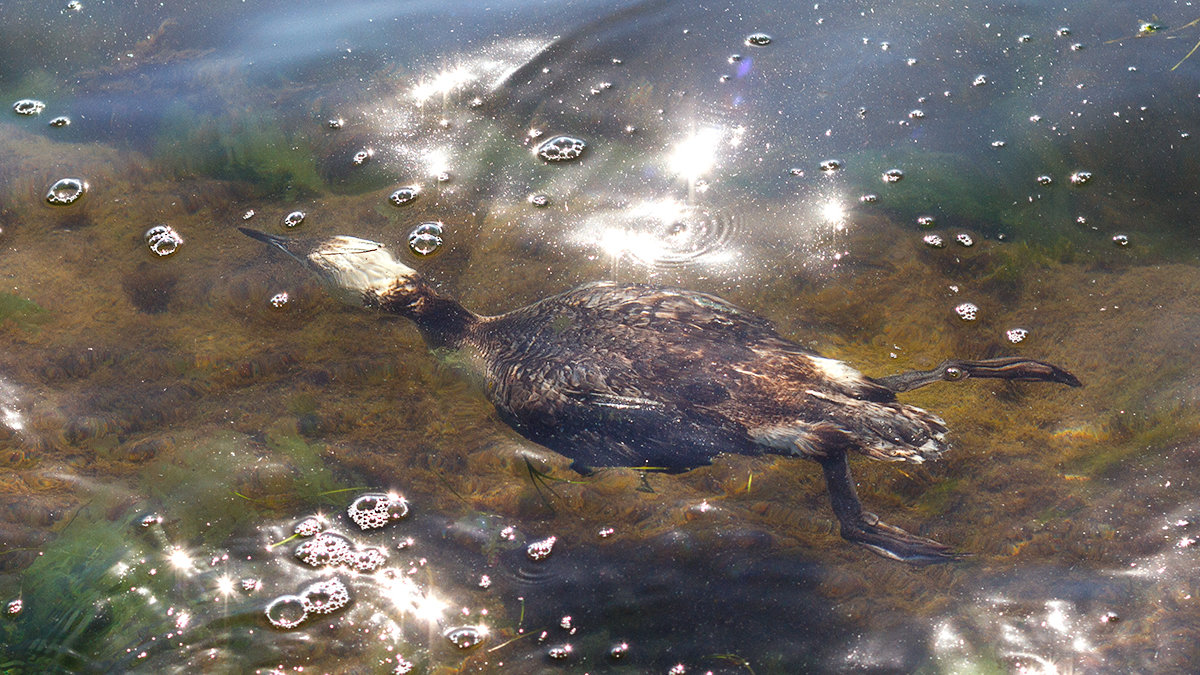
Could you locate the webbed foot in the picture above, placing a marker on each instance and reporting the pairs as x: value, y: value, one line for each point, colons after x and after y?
x: 892, y: 542
x: 866, y: 529
x: 1004, y: 368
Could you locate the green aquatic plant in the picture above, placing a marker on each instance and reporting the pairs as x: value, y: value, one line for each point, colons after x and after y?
x: 78, y: 610
x: 23, y: 313
x: 246, y: 146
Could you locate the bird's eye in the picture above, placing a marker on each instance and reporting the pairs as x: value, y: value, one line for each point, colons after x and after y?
x: 954, y: 373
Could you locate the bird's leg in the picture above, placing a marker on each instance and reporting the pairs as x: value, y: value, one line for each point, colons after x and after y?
x: 866, y: 528
x: 1005, y: 368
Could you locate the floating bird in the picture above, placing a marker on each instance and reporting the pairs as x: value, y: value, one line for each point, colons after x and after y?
x: 629, y: 375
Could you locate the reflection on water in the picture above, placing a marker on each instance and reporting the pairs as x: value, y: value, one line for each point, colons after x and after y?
x: 192, y: 434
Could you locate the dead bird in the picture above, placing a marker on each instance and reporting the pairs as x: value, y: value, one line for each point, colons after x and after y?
x: 629, y: 375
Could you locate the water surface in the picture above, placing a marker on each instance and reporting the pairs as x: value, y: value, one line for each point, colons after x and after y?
x: 167, y: 421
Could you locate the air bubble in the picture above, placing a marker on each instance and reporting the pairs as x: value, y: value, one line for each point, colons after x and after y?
x: 250, y: 585
x: 605, y: 532
x: 14, y: 607
x: 60, y: 121
x: 485, y: 581
x: 539, y: 201
x: 998, y: 144
x: 561, y: 149
x: 1081, y: 177
x: 150, y: 520
x: 916, y: 114
x: 869, y: 198
x: 560, y: 652
x: 925, y: 222
x: 967, y: 311
x: 163, y: 240
x: 248, y: 214
x: 541, y: 549
x: 287, y: 612
x: 1045, y: 180
x: 309, y: 526
x: 66, y: 191
x: 74, y: 5
x: 796, y: 171
x: 831, y: 165
x: 425, y: 238
x: 465, y: 637
x: 373, y: 511
x: 933, y: 240
x: 362, y: 156
x: 1016, y: 335
x: 893, y: 176
x: 758, y: 40
x: 964, y: 239
x: 1077, y: 47
x: 444, y: 177
x: 293, y: 219
x: 279, y: 301
x: 368, y: 559
x: 1025, y: 38
x: 404, y: 195
x: 509, y: 533
x: 979, y: 81
x: 1120, y: 239
x: 325, y: 597
x: 1063, y: 31
x: 336, y: 123
x: 29, y: 106
x: 619, y: 651
x: 327, y: 549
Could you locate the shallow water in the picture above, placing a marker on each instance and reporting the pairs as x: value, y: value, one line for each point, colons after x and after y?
x: 166, y: 421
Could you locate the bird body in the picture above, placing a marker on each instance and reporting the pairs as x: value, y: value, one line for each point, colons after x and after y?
x: 634, y: 375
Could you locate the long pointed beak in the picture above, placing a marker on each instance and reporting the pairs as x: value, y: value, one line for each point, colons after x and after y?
x: 282, y: 243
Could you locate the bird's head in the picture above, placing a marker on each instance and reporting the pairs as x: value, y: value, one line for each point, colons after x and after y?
x: 360, y: 271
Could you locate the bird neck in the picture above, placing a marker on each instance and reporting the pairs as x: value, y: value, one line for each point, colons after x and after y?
x: 443, y: 322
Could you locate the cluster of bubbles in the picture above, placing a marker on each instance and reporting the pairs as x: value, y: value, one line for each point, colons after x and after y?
x: 14, y: 607
x: 279, y: 300
x: 541, y: 549
x: 831, y: 165
x: 30, y: 107
x: 561, y: 149
x: 293, y: 219
x: 336, y: 123
x: 934, y: 240
x: 163, y: 240
x: 1016, y: 335
x: 372, y: 511
x: 758, y: 40
x: 330, y: 549
x: 362, y: 156
x: 404, y: 195
x: 539, y: 200
x: 322, y: 597
x: 967, y: 311
x: 893, y: 176
x: 66, y: 191
x: 425, y: 238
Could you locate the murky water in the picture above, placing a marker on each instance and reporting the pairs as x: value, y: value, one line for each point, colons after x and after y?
x: 193, y: 432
